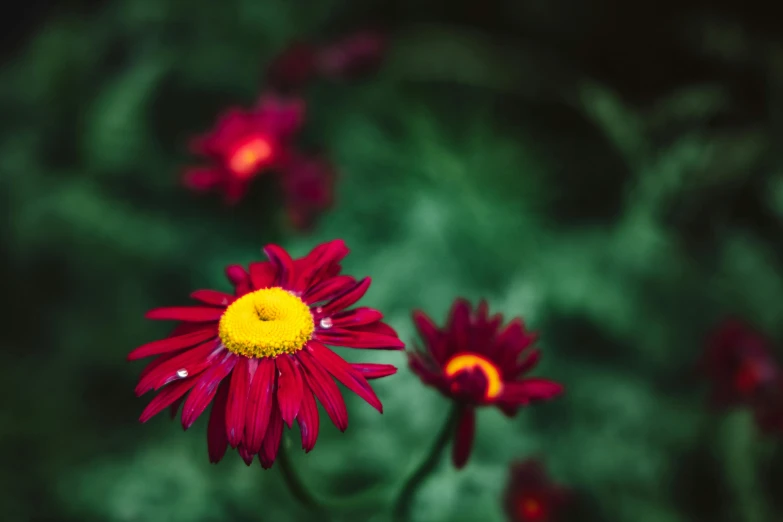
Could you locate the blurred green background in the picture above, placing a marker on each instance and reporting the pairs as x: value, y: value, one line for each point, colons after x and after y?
x: 610, y: 171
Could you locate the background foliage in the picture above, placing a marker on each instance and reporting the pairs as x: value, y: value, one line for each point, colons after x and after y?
x: 610, y: 171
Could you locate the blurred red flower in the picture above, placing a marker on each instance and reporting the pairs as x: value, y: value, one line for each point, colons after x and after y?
x: 243, y: 144
x: 473, y: 363
x: 260, y: 356
x: 308, y: 185
x: 531, y: 496
x: 293, y: 68
x: 357, y: 54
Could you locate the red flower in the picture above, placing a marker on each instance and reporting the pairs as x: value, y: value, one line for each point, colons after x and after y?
x: 739, y: 363
x: 308, y: 184
x: 471, y: 362
x: 531, y: 496
x: 293, y: 68
x: 355, y: 55
x: 259, y: 356
x: 244, y: 144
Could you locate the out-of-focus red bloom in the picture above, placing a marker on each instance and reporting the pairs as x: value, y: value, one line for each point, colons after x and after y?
x: 243, y: 144
x: 308, y: 185
x: 355, y: 55
x: 531, y: 496
x: 470, y: 361
x: 293, y: 68
x: 260, y: 356
x: 740, y: 364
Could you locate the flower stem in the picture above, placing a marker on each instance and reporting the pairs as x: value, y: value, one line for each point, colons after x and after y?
x: 403, y: 503
x: 295, y: 484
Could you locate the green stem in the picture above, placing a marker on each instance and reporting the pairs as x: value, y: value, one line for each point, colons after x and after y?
x: 295, y: 484
x: 403, y: 503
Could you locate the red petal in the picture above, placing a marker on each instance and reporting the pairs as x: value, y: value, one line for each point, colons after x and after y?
x: 459, y: 327
x: 289, y: 388
x: 217, y: 441
x: 246, y: 455
x: 325, y: 389
x: 192, y: 314
x: 463, y: 442
x: 530, y: 389
x: 206, y: 387
x: 174, y: 408
x: 356, y: 317
x: 192, y: 361
x: 348, y: 297
x: 262, y: 274
x: 314, y: 266
x: 166, y: 397
x: 271, y: 442
x: 202, y: 179
x: 239, y: 278
x: 283, y: 264
x: 259, y: 404
x: 328, y: 289
x: 358, y: 339
x: 374, y: 371
x: 378, y: 328
x: 235, y: 191
x: 236, y: 407
x: 343, y: 372
x: 171, y: 344
x: 530, y: 362
x: 430, y: 334
x: 213, y: 297
x: 308, y: 420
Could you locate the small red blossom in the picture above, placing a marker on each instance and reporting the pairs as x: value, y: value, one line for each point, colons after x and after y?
x: 244, y: 144
x: 740, y: 364
x: 260, y: 356
x: 474, y: 362
x: 531, y: 496
x: 355, y: 55
x: 308, y: 185
x: 293, y: 68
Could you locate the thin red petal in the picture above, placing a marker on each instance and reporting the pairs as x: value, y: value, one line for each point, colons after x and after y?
x: 262, y: 274
x: 192, y: 314
x: 202, y: 178
x: 430, y: 335
x: 206, y: 387
x: 238, y: 392
x: 239, y: 278
x: 374, y: 371
x: 328, y: 289
x: 463, y: 441
x: 356, y: 317
x: 171, y: 344
x: 358, y: 339
x: 271, y: 442
x: 259, y: 404
x: 289, y: 388
x: 166, y: 397
x: 191, y: 362
x: 325, y: 390
x: 283, y: 264
x: 174, y: 408
x: 308, y: 420
x: 315, y: 266
x: 530, y: 362
x: 217, y: 441
x: 378, y: 328
x: 246, y: 455
x: 343, y: 372
x: 348, y: 297
x: 213, y: 297
x: 459, y: 327
x: 531, y: 389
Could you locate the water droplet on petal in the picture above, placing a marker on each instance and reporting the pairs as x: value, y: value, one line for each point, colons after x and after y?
x: 326, y: 322
x: 182, y: 373
x: 319, y: 309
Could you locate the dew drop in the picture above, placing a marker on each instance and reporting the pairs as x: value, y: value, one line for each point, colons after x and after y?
x: 326, y: 322
x: 182, y: 373
x: 319, y: 310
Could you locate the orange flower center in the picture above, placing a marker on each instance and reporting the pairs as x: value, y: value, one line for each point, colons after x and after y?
x: 471, y: 361
x: 249, y: 156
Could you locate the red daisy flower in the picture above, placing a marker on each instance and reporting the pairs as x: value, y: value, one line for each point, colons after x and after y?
x: 531, y: 496
x: 472, y: 363
x: 740, y: 364
x: 357, y: 54
x: 243, y: 144
x: 259, y: 356
x: 308, y: 184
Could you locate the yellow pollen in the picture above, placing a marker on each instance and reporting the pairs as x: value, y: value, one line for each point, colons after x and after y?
x: 470, y: 361
x: 249, y: 156
x: 266, y: 323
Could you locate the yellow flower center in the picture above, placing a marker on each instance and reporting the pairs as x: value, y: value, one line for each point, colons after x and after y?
x: 266, y: 323
x: 470, y: 361
x: 249, y: 156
